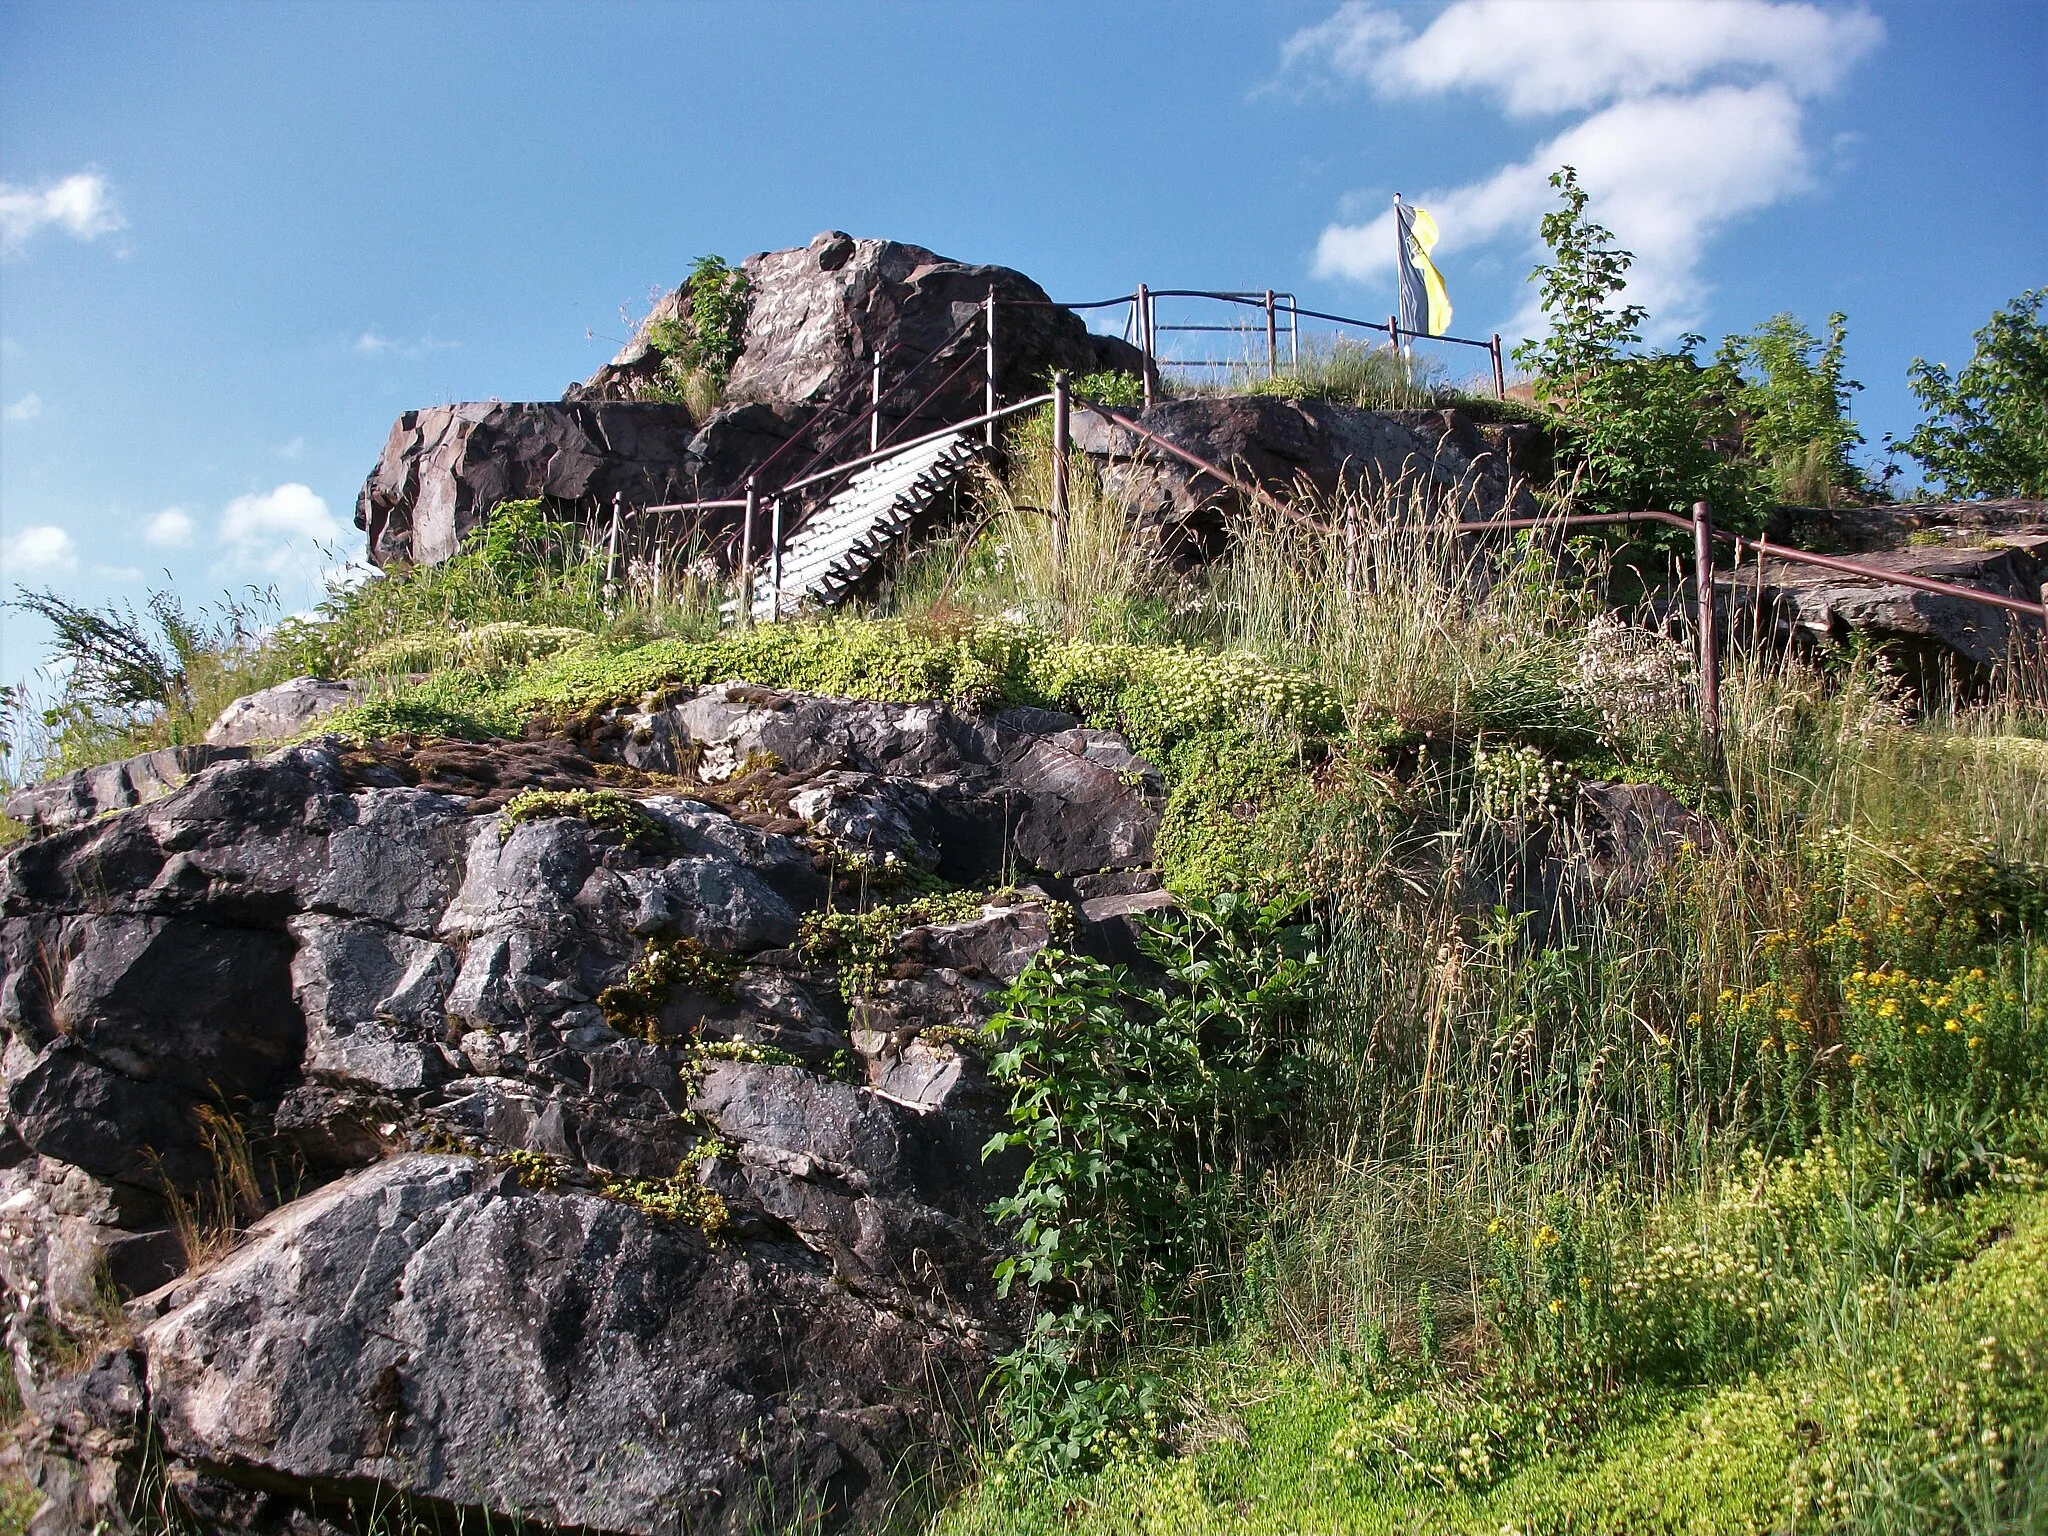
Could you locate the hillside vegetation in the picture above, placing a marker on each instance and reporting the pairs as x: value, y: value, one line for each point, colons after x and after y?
x: 1713, y: 1202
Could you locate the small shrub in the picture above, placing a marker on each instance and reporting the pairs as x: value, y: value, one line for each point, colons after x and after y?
x: 862, y: 944
x: 633, y: 1006
x: 697, y: 351
x: 677, y: 1198
x: 606, y: 809
x: 1117, y: 390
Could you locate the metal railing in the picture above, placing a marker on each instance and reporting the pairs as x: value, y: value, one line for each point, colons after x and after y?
x: 1142, y: 323
x: 1701, y: 524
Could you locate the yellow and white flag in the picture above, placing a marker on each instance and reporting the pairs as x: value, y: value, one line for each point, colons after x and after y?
x: 1425, y: 306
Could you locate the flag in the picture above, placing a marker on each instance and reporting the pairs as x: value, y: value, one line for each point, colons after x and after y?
x: 1425, y: 306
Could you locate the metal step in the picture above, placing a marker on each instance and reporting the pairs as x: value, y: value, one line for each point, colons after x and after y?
x: 861, y: 526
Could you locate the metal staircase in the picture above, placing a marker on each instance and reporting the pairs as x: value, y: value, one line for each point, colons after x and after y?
x: 862, y: 525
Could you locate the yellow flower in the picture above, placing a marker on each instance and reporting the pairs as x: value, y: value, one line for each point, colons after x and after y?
x: 1546, y: 1236
x: 1953, y: 1027
x: 1557, y: 1307
x: 1975, y: 1041
x: 1855, y: 1058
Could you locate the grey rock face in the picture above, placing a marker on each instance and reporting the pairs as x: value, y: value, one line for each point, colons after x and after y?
x: 281, y: 712
x: 917, y: 784
x: 445, y: 467
x: 355, y: 972
x: 75, y: 798
x: 559, y: 1357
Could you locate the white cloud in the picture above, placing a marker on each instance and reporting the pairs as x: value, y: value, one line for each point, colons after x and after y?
x: 373, y: 343
x: 1540, y: 56
x: 81, y: 205
x: 1695, y: 119
x: 169, y: 529
x: 41, y: 548
x: 277, y: 530
x: 292, y: 449
x: 27, y: 408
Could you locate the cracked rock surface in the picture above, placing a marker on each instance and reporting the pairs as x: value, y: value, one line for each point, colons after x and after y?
x: 552, y: 1231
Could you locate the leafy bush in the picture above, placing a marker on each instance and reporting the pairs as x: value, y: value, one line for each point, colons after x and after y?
x: 1140, y: 1108
x: 1114, y: 388
x: 1986, y: 432
x: 698, y: 350
x: 1790, y: 392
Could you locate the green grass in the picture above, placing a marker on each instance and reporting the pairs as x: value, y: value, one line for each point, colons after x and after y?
x: 1927, y: 1413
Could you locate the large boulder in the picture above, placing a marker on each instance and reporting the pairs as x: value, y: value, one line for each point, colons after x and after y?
x: 817, y: 317
x: 1296, y: 447
x: 445, y: 467
x: 553, y: 1356
x: 281, y: 712
x: 599, y: 1200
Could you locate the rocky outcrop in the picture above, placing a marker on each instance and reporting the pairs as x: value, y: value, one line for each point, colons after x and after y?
x: 445, y: 467
x: 1293, y: 447
x: 279, y: 713
x: 600, y: 1199
x: 817, y: 317
x: 72, y: 799
x: 1556, y: 870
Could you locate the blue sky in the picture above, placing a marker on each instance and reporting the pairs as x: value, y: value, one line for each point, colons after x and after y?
x: 239, y: 239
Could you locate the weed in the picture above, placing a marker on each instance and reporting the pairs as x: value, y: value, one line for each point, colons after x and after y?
x: 608, y: 810
x: 633, y: 1007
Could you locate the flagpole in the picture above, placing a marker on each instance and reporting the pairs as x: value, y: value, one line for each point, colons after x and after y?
x: 1400, y: 271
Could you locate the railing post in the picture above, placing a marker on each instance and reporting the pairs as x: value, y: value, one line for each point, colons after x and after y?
x: 746, y: 585
x: 1144, y: 329
x: 1703, y: 592
x: 875, y: 409
x: 1272, y: 339
x: 775, y: 557
x: 1061, y: 436
x: 1394, y: 333
x: 1500, y: 377
x: 989, y: 393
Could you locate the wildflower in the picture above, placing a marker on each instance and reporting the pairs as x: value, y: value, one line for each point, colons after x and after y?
x: 1557, y: 1307
x: 1974, y: 1041
x: 1546, y: 1236
x: 1855, y: 1058
x: 1953, y: 1027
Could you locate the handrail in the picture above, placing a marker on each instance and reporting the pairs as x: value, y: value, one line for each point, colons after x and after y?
x: 873, y: 408
x: 690, y: 506
x: 1256, y: 492
x: 1785, y: 552
x: 916, y: 442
